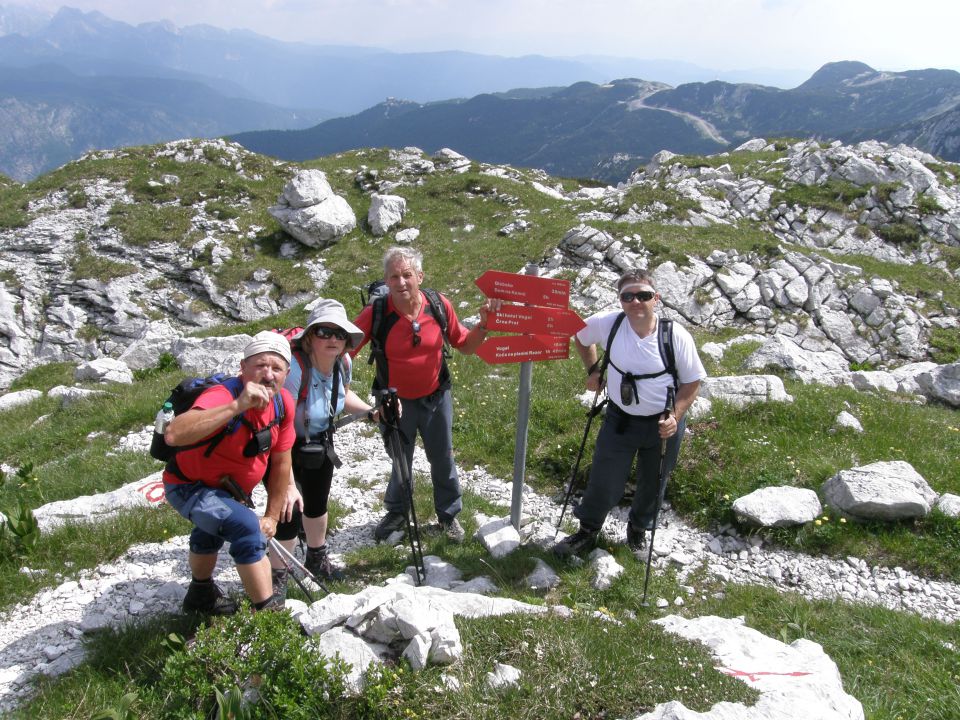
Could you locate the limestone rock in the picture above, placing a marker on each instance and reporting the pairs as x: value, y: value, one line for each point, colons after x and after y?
x: 846, y: 421
x: 385, y: 212
x: 949, y: 504
x: 356, y: 652
x: 497, y: 535
x: 104, y: 370
x: 18, y: 398
x: 95, y: 508
x: 822, y: 367
x: 796, y: 681
x: 70, y: 395
x: 942, y: 383
x: 778, y: 506
x: 311, y: 212
x: 542, y: 578
x: 890, y: 490
x: 741, y: 390
x: 605, y: 569
x: 205, y: 356
x: 502, y: 676
x: 155, y: 339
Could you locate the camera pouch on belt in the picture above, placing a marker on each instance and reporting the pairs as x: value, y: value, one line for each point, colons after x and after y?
x: 312, y: 456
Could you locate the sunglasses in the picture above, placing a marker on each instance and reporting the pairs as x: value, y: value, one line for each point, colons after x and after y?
x: 325, y: 333
x: 416, y: 337
x: 641, y: 295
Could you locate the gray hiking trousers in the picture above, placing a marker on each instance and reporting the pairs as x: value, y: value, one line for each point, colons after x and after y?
x: 432, y: 418
x: 621, y: 438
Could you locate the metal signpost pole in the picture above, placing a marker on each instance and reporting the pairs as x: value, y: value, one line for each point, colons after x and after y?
x: 523, y: 420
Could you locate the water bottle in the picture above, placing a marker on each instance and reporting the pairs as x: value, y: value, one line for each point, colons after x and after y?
x: 158, y: 446
x: 164, y: 416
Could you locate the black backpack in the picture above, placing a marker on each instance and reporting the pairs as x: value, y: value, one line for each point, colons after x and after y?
x: 664, y: 345
x: 186, y: 393
x: 381, y: 324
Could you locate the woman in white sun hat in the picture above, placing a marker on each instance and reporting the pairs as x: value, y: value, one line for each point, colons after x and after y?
x: 319, y: 380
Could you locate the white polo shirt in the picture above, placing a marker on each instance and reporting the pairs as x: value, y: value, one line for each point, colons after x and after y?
x: 641, y: 356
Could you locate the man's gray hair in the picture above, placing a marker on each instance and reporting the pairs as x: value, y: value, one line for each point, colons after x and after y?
x: 413, y: 257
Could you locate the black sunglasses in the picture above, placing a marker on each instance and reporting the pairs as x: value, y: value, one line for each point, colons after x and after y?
x: 641, y: 295
x: 416, y: 330
x: 325, y: 333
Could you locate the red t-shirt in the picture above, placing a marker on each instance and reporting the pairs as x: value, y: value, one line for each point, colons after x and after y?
x: 414, y: 371
x: 227, y: 457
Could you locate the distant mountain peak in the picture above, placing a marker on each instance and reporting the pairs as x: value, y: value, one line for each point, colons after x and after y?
x: 834, y: 74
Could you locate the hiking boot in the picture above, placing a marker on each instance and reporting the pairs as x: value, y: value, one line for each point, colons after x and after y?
x: 207, y: 598
x: 273, y: 603
x: 636, y: 538
x: 279, y: 579
x: 389, y: 524
x: 581, y: 541
x: 453, y: 530
x: 318, y: 563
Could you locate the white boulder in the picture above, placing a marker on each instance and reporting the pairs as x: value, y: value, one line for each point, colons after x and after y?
x: 778, y: 506
x: 890, y: 490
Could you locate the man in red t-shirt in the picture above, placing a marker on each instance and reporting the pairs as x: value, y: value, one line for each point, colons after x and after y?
x: 193, y: 480
x: 414, y: 353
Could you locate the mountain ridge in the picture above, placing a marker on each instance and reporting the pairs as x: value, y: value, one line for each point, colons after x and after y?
x: 694, y: 118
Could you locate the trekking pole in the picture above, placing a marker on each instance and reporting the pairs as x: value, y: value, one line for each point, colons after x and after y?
x: 286, y: 557
x: 290, y: 562
x: 347, y: 419
x: 391, y: 416
x: 592, y: 413
x: 661, y: 492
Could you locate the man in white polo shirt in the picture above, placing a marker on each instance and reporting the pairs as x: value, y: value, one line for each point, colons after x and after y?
x: 639, y: 381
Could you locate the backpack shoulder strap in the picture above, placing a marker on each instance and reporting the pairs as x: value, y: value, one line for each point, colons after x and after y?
x: 665, y: 346
x: 235, y: 386
x: 335, y: 393
x: 606, y: 351
x: 381, y: 322
x: 303, y: 361
x: 439, y: 311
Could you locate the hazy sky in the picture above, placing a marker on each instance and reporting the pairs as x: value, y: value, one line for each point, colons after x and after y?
x: 718, y: 34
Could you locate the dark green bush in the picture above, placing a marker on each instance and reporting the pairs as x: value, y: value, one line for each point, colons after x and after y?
x: 262, y: 651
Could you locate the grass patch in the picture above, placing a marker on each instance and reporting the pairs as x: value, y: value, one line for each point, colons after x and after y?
x: 646, y: 196
x: 788, y: 444
x: 87, y: 264
x: 142, y: 224
x: 834, y: 195
x: 44, y: 377
x: 741, y: 163
x: 944, y: 345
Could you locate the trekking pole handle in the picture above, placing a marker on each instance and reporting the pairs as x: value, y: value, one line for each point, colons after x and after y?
x: 671, y: 402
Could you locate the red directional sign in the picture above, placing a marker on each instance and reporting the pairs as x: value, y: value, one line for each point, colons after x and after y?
x: 530, y: 289
x: 524, y: 348
x: 540, y: 320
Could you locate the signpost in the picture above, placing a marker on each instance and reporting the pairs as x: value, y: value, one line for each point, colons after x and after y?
x: 536, y: 320
x: 524, y: 348
x: 546, y: 325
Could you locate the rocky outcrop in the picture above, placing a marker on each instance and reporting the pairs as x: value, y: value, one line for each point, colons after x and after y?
x: 74, y: 286
x: 794, y: 681
x: 311, y: 212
